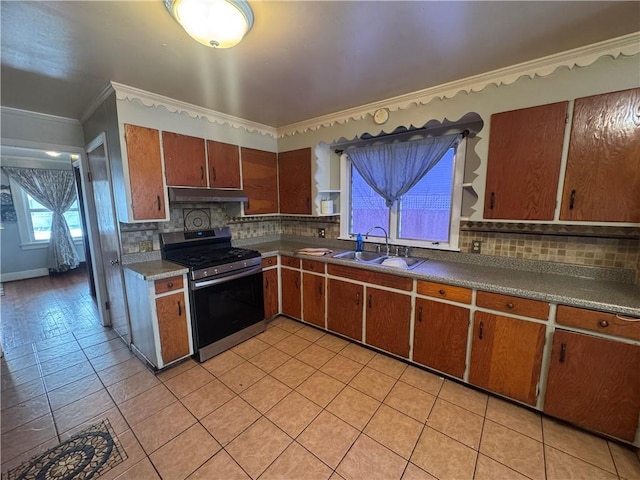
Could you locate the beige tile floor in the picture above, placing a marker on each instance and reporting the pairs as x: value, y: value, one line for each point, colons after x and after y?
x: 291, y: 403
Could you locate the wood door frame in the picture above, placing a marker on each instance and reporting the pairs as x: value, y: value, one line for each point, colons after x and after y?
x: 94, y: 234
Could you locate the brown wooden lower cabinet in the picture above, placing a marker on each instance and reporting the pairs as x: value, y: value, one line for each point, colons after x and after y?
x: 388, y: 321
x: 313, y: 294
x: 595, y: 383
x: 172, y: 327
x: 440, y: 336
x: 270, y: 287
x: 344, y: 311
x: 291, y: 300
x: 506, y: 356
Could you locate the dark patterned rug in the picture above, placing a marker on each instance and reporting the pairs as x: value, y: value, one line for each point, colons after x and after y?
x: 86, y: 455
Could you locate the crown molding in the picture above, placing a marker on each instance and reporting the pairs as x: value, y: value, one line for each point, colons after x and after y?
x: 16, y: 112
x: 124, y: 92
x: 626, y: 45
x: 99, y: 100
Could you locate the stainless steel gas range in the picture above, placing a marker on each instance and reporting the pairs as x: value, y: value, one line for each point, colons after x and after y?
x: 225, y: 288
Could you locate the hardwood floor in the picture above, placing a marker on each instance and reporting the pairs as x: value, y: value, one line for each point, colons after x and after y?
x: 45, y: 307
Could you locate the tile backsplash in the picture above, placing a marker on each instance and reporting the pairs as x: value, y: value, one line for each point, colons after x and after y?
x: 590, y: 246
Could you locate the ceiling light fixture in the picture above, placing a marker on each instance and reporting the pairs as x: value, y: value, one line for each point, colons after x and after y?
x: 53, y: 154
x: 214, y: 23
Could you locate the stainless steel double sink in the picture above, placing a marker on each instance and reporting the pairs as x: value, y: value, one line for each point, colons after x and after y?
x: 374, y: 258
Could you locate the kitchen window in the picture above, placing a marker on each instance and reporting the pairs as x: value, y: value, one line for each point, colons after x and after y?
x: 427, y: 216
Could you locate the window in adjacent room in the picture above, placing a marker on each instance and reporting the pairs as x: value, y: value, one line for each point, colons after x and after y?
x: 34, y: 220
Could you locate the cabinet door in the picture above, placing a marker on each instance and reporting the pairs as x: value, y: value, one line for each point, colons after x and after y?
x: 270, y: 286
x: 260, y: 181
x: 388, y: 320
x: 344, y: 308
x: 294, y: 170
x: 224, y: 164
x: 172, y: 326
x: 506, y: 354
x: 313, y: 293
x: 603, y: 165
x: 145, y: 173
x: 525, y: 151
x: 440, y: 336
x: 595, y: 383
x: 291, y: 299
x: 185, y: 164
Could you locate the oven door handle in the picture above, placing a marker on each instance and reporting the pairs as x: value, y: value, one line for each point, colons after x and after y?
x: 228, y: 278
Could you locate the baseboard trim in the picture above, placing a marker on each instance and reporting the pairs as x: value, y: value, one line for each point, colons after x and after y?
x: 13, y: 276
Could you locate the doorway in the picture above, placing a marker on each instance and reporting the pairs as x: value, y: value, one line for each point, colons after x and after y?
x: 107, y: 243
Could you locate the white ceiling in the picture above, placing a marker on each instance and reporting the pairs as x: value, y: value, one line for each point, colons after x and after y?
x: 302, y: 59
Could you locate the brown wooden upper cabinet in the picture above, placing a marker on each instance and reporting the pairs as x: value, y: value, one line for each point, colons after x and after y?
x: 294, y: 169
x: 259, y: 181
x: 144, y: 163
x: 185, y: 163
x: 602, y: 181
x: 224, y: 164
x: 525, y: 152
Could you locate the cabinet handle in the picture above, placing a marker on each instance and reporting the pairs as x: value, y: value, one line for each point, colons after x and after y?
x: 441, y: 291
x: 603, y: 323
x: 308, y: 203
x: 510, y: 305
x: 248, y: 207
x: 159, y: 204
x: 297, y: 282
x: 201, y: 173
x: 358, y: 298
x: 563, y: 352
x: 492, y: 200
x: 213, y: 170
x: 320, y: 290
x: 179, y: 309
x: 170, y: 284
x: 419, y: 314
x: 480, y: 330
x: 572, y: 200
x: 370, y: 301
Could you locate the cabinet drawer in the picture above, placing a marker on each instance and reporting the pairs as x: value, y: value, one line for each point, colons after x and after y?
x: 168, y: 284
x: 270, y: 261
x: 376, y: 278
x: 598, y: 322
x: 313, y: 266
x: 517, y: 305
x: 440, y: 290
x: 290, y: 262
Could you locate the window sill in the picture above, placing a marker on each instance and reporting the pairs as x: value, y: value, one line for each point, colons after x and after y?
x: 41, y: 245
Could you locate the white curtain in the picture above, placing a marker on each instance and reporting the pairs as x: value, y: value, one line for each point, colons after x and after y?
x: 55, y: 190
x: 393, y: 169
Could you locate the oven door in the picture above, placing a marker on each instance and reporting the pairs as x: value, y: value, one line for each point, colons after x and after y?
x: 224, y: 306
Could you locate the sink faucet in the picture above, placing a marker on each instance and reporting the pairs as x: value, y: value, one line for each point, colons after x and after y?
x: 386, y: 237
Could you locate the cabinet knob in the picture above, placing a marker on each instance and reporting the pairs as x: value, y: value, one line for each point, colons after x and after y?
x: 170, y: 284
x: 510, y: 305
x: 603, y: 323
x: 441, y: 291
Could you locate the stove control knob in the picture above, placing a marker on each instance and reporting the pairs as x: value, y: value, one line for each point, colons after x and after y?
x: 215, y: 270
x: 244, y: 264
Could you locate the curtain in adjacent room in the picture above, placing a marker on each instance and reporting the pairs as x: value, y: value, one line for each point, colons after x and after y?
x: 393, y: 169
x: 55, y: 190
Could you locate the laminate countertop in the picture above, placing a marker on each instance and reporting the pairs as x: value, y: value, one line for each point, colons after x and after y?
x: 156, y: 269
x: 573, y: 290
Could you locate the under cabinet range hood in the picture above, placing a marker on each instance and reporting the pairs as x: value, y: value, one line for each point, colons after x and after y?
x: 205, y: 195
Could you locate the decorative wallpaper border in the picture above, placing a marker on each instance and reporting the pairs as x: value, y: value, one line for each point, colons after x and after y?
x: 552, y: 229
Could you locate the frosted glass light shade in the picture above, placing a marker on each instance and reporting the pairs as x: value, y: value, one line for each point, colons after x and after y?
x: 214, y: 23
